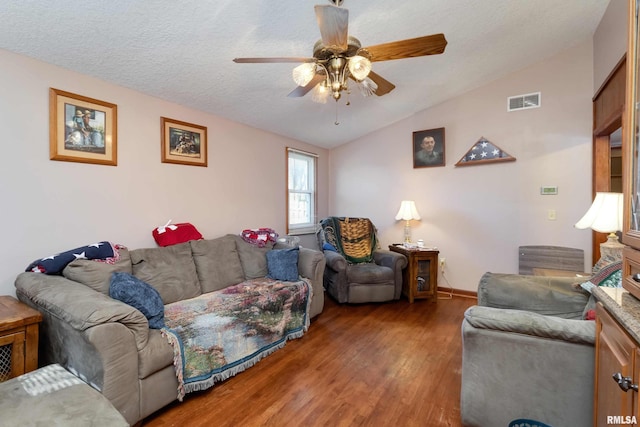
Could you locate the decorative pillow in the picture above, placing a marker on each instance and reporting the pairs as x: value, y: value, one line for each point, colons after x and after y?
x: 54, y: 264
x: 283, y: 264
x: 329, y: 247
x: 259, y: 236
x: 609, y: 276
x: 606, y: 259
x: 133, y: 291
x: 173, y: 234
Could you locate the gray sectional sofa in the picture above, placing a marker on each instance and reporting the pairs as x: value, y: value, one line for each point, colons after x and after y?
x: 527, y: 353
x: 109, y: 344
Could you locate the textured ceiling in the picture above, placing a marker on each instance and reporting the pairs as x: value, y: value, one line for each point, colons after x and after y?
x: 182, y: 51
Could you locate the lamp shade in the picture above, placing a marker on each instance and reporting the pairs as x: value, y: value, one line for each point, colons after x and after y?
x: 604, y: 215
x: 407, y: 211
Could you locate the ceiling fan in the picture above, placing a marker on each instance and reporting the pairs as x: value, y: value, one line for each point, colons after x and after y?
x: 338, y: 57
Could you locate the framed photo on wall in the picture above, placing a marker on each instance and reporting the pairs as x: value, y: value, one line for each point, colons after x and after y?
x: 82, y: 129
x: 183, y: 143
x: 428, y: 148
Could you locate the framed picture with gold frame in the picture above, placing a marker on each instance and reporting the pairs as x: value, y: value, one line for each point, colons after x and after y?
x: 183, y: 143
x: 82, y: 129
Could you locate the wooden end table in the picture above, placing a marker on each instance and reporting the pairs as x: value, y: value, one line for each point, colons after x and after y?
x: 420, y: 277
x: 18, y: 338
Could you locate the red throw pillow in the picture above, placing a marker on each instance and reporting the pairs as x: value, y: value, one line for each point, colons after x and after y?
x: 172, y: 234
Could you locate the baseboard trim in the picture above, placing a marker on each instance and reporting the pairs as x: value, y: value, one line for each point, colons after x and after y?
x: 458, y: 292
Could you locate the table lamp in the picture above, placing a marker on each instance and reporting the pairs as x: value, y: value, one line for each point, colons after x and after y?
x: 605, y: 216
x: 407, y: 212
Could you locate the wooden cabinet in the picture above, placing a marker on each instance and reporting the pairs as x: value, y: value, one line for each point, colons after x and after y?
x: 420, y: 277
x: 18, y: 338
x: 631, y: 159
x: 617, y: 367
x: 617, y: 372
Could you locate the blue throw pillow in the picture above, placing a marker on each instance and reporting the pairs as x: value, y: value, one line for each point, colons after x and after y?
x: 133, y: 291
x: 282, y: 264
x: 329, y: 247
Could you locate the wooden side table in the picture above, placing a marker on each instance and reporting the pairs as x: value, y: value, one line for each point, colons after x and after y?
x: 420, y: 277
x: 18, y: 338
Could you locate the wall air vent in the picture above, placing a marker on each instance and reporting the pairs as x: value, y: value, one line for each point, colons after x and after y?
x: 523, y: 102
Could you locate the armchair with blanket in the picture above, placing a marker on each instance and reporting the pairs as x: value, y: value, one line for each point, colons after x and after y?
x: 357, y: 271
x: 528, y: 353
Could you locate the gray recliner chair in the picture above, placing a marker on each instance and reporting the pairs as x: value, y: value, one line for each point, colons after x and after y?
x: 527, y: 353
x: 357, y: 271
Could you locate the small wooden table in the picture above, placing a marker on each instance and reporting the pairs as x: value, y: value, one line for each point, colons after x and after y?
x: 420, y: 277
x: 18, y: 338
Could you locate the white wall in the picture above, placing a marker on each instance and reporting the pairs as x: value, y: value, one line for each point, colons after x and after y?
x: 478, y: 215
x: 53, y: 206
x: 609, y: 41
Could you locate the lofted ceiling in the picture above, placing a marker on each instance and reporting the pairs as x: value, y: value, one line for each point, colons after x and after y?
x: 182, y: 51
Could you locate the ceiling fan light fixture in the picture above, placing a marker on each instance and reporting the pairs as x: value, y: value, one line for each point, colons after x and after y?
x: 367, y: 87
x: 359, y: 67
x: 320, y: 93
x: 303, y: 73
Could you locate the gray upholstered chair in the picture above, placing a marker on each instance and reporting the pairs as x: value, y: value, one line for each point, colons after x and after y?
x: 527, y: 353
x: 357, y: 271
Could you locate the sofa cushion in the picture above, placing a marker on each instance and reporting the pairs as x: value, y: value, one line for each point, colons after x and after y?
x: 283, y: 264
x: 253, y: 258
x: 133, y: 291
x: 97, y: 275
x: 217, y: 263
x: 170, y: 270
x: 369, y: 273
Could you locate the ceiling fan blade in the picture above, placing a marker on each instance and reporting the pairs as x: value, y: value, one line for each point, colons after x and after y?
x: 334, y: 25
x: 384, y: 86
x: 409, y: 48
x: 271, y: 60
x: 303, y: 90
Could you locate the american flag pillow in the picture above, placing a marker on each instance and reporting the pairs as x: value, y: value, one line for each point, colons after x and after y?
x: 54, y: 264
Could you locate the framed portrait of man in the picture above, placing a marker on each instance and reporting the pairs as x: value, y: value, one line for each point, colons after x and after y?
x: 428, y: 148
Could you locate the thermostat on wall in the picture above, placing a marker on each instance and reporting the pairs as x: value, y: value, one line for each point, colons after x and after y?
x: 548, y: 191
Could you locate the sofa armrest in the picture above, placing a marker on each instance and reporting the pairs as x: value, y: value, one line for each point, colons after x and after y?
x: 335, y: 261
x: 93, y: 336
x: 80, y: 306
x: 551, y: 296
x: 395, y: 262
x: 534, y: 324
x: 311, y: 264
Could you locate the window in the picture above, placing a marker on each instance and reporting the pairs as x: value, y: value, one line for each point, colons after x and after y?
x: 301, y: 192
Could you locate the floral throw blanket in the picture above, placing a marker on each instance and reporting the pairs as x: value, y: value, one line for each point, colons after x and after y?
x: 219, y: 334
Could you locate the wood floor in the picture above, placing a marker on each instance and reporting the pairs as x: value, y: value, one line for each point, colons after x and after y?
x: 391, y: 364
